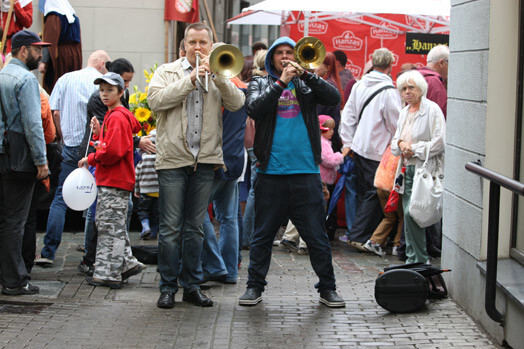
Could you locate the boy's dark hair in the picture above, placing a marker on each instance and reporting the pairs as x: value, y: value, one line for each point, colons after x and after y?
x: 341, y: 57
x: 120, y: 66
x: 259, y: 45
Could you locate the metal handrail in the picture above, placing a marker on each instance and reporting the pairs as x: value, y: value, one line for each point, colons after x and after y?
x: 496, y: 181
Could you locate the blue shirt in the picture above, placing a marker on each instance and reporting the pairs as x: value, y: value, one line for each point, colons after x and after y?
x: 291, y: 151
x: 21, y: 101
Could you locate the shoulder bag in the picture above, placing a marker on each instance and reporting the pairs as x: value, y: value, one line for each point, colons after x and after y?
x: 425, y: 205
x: 17, y: 155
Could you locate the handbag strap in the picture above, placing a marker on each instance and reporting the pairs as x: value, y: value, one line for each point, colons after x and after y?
x: 371, y: 97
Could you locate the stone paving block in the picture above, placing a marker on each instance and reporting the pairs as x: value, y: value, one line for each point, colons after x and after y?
x: 289, y: 317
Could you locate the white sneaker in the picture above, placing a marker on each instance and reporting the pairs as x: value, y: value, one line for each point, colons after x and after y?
x: 394, y: 251
x: 375, y: 248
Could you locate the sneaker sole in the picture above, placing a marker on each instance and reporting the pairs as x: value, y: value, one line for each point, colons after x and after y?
x: 250, y: 302
x: 333, y: 304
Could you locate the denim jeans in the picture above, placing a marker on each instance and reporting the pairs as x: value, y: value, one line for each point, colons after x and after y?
x: 184, y: 197
x: 58, y: 208
x: 350, y: 199
x: 300, y: 198
x: 249, y: 212
x: 222, y: 253
x: 369, y: 213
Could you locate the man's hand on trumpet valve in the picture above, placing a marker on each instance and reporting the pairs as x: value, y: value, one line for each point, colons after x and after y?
x: 291, y: 70
x: 203, y: 68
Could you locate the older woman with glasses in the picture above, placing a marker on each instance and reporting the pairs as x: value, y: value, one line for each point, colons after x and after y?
x: 421, y: 128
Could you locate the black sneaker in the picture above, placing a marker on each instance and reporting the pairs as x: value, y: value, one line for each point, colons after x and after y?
x: 24, y: 290
x: 251, y: 297
x: 332, y: 299
x: 85, y: 269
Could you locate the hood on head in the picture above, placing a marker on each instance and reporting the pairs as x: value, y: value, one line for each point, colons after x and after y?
x: 269, y: 56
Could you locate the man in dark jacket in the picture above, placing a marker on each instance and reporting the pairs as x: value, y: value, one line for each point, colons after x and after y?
x: 287, y: 145
x: 436, y: 75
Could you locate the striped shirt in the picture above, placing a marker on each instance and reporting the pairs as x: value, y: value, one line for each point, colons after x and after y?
x: 70, y: 96
x: 194, y: 103
x: 146, y: 177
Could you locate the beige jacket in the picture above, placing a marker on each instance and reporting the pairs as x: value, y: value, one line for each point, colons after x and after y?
x: 167, y: 94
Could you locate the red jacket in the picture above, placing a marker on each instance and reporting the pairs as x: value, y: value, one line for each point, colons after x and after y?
x: 436, y: 89
x: 22, y: 18
x: 114, y: 155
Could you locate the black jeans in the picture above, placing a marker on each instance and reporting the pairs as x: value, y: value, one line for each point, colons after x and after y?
x: 148, y: 208
x: 16, y: 191
x: 369, y: 213
x: 29, y: 239
x: 300, y: 198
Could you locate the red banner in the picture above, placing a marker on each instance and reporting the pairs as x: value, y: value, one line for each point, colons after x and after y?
x: 359, y: 40
x: 181, y: 10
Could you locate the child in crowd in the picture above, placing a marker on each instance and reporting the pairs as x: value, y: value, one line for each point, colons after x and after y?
x: 115, y: 178
x: 146, y: 189
x: 330, y: 159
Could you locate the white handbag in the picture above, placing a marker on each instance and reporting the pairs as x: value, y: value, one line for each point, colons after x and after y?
x: 425, y: 205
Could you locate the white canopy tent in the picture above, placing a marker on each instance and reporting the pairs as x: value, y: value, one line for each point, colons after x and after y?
x: 424, y: 13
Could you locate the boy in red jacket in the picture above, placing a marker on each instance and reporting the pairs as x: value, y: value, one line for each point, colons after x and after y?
x: 115, y: 178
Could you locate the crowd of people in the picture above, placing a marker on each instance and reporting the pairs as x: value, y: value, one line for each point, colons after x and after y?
x: 291, y: 128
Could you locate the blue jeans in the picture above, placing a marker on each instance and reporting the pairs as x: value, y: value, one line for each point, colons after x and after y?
x: 300, y: 198
x: 249, y: 212
x: 221, y: 257
x: 58, y: 208
x: 184, y: 197
x: 350, y: 199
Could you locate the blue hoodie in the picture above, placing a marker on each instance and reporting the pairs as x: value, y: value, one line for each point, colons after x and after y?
x: 291, y: 151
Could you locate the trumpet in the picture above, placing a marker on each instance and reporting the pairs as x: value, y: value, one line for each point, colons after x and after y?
x: 309, y: 52
x: 225, y: 61
x: 206, y: 79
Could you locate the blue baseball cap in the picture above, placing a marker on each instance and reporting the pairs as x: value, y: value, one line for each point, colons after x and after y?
x: 26, y: 38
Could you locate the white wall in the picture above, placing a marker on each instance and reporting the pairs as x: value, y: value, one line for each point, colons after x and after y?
x: 131, y: 29
x: 480, y: 126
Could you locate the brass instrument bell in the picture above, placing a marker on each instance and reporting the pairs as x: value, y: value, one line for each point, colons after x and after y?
x: 309, y: 52
x: 226, y: 61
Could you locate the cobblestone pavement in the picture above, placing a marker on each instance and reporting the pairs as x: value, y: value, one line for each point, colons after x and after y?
x: 69, y: 313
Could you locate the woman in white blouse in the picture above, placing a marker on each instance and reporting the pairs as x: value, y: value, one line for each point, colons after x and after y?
x: 421, y: 128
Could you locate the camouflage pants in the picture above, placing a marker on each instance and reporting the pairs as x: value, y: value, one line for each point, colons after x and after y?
x: 113, y: 250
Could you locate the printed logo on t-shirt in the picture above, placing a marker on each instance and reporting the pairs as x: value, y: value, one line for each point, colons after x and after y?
x: 288, y: 106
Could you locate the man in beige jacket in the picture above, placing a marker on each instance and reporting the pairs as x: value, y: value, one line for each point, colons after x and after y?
x: 189, y: 148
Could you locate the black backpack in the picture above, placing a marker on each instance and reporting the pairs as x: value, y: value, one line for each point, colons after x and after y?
x: 405, y: 288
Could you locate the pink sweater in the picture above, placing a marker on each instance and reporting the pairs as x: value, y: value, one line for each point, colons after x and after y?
x: 330, y: 162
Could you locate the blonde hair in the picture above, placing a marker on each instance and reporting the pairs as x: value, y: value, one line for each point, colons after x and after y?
x: 329, y: 123
x: 258, y: 62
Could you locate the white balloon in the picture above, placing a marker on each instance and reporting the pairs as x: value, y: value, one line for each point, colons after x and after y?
x: 79, y: 189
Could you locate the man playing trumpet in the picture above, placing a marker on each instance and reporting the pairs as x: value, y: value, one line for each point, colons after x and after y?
x: 189, y: 147
x: 287, y: 146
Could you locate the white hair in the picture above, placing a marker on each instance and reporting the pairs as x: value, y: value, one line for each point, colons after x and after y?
x: 437, y: 53
x: 415, y: 78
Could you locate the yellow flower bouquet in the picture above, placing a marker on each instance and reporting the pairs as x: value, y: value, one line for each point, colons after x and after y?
x: 140, y: 108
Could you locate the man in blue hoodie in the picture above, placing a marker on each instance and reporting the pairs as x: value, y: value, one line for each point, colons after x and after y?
x: 287, y: 146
